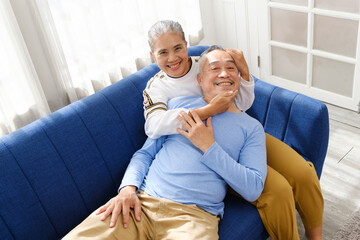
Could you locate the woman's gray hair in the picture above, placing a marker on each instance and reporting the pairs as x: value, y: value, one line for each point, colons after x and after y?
x: 203, y: 55
x: 162, y: 27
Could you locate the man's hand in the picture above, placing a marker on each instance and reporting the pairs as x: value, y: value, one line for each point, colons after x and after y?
x: 240, y: 62
x: 125, y: 200
x: 221, y: 102
x: 201, y: 135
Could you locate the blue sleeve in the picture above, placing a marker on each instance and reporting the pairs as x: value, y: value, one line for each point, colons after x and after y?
x: 247, y: 175
x: 140, y: 163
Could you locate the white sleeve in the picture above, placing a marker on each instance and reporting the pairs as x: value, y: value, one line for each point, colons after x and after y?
x: 163, y: 122
x: 245, y: 97
x: 158, y: 120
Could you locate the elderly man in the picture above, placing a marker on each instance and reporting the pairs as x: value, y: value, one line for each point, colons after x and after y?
x: 175, y: 185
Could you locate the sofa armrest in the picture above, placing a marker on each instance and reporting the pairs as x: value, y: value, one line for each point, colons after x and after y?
x: 299, y: 121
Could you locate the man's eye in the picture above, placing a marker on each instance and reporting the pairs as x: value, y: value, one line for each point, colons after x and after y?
x: 178, y: 48
x: 214, y: 68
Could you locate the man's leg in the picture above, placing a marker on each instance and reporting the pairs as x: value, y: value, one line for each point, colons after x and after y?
x: 180, y: 221
x: 302, y: 177
x: 93, y: 228
x: 276, y: 207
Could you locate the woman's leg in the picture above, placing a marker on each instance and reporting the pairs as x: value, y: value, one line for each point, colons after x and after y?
x: 276, y: 207
x: 302, y: 177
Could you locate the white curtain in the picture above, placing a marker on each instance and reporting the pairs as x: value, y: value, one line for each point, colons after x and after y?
x: 21, y: 98
x: 88, y: 44
x: 102, y: 41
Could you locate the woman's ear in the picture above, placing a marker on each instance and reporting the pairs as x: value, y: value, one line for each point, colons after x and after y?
x: 153, y: 56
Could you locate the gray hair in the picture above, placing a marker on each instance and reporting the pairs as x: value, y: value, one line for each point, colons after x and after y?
x: 161, y: 27
x: 204, y: 54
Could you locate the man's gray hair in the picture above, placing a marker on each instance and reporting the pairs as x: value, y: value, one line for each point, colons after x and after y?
x: 161, y: 27
x: 204, y: 54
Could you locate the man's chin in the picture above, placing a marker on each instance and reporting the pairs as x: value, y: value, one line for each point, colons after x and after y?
x: 226, y: 90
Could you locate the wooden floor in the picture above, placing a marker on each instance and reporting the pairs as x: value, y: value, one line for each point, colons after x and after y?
x: 340, y: 179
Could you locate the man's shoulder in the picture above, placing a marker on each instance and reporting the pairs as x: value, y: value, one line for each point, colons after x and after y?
x: 185, y: 102
x: 253, y: 122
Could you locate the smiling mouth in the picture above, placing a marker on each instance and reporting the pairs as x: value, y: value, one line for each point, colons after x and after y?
x: 175, y: 66
x: 222, y: 83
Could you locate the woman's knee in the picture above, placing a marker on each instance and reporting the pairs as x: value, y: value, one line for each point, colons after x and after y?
x: 277, y: 192
x: 284, y: 192
x: 305, y: 176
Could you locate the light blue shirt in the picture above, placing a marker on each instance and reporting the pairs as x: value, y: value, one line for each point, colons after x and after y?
x: 172, y: 167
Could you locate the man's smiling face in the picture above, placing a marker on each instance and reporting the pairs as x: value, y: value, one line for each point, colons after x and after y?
x: 219, y: 74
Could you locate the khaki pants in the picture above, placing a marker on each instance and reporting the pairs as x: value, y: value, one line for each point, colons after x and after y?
x: 291, y: 183
x: 160, y: 219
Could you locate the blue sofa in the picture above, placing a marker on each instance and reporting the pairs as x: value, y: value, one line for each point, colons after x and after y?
x: 57, y: 170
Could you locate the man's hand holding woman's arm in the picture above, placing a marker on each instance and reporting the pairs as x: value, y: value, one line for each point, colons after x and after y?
x: 201, y: 135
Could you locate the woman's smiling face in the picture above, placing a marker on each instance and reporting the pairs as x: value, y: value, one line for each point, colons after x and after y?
x: 170, y: 54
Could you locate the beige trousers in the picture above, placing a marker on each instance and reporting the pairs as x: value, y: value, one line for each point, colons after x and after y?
x: 160, y: 219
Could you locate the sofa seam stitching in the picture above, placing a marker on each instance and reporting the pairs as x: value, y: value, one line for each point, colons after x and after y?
x: 125, y: 127
x: 97, y: 147
x: 288, y: 118
x: 32, y: 188
x: 268, y: 105
x: 66, y: 166
x: 7, y: 227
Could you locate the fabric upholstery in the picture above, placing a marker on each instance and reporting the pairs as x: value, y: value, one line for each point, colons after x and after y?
x: 57, y: 170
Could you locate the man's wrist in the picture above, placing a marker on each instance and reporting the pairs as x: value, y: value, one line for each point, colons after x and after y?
x: 206, y: 147
x: 129, y: 188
